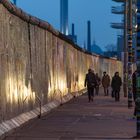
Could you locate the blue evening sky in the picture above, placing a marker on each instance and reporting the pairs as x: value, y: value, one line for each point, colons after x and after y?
x: 98, y: 11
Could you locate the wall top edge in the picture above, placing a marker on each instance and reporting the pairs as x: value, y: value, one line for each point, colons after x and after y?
x: 42, y: 24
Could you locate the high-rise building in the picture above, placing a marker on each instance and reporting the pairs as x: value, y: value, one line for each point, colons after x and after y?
x: 64, y: 17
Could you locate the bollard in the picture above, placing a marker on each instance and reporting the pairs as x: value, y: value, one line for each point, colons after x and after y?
x: 137, y: 102
x: 129, y: 84
x: 138, y: 117
x: 138, y: 123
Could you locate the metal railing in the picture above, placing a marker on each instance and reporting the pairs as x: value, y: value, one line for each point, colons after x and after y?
x: 39, y: 102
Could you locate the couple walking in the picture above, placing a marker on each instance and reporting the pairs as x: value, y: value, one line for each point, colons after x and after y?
x: 115, y: 85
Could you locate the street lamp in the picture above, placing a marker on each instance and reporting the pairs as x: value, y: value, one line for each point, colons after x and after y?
x: 125, y: 89
x: 130, y: 58
x: 137, y: 101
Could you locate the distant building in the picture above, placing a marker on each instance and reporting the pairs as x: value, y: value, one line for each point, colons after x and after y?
x: 110, y: 53
x: 96, y: 49
x: 120, y: 45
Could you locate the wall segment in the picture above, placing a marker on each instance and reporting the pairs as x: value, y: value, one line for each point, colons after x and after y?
x: 38, y: 61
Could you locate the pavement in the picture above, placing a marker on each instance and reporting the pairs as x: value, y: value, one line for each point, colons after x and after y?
x: 102, y: 119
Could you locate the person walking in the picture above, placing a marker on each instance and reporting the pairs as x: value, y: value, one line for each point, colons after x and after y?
x: 116, y: 85
x: 90, y: 83
x: 106, y: 83
x: 98, y: 80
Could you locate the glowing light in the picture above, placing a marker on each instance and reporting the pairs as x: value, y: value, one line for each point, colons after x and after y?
x: 15, y: 93
x: 136, y: 26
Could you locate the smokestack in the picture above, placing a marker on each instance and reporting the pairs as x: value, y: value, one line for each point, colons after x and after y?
x: 64, y: 16
x: 89, y: 36
x: 73, y: 30
x: 85, y: 45
x: 15, y: 2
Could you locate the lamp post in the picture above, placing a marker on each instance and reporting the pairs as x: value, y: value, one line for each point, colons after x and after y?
x: 137, y: 102
x: 130, y: 57
x: 138, y: 92
x: 125, y: 49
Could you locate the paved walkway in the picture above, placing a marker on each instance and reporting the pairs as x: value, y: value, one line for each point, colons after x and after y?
x: 102, y: 119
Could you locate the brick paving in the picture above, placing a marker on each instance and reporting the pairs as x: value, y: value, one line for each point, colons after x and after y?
x: 102, y: 119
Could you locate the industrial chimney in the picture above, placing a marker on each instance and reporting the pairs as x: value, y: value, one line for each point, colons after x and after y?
x: 73, y: 29
x: 89, y: 36
x: 64, y: 16
x: 15, y: 2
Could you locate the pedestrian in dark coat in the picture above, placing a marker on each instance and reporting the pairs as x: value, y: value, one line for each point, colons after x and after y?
x: 106, y: 83
x: 116, y: 85
x: 90, y: 83
x: 98, y: 80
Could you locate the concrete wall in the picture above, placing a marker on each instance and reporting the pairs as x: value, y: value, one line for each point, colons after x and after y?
x: 36, y: 61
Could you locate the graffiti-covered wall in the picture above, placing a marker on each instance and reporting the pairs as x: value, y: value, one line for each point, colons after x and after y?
x: 38, y: 61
